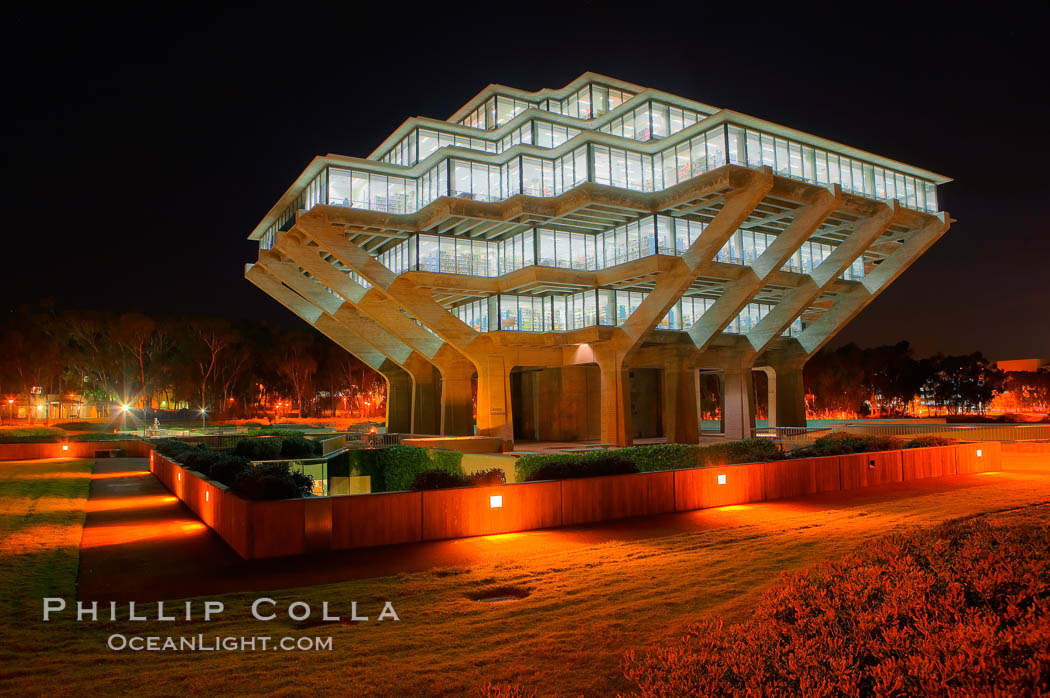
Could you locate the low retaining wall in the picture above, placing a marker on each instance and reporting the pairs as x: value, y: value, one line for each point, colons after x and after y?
x: 294, y: 526
x: 72, y: 449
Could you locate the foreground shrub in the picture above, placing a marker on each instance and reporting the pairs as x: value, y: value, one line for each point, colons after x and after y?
x: 492, y: 476
x: 227, y: 467
x: 272, y: 481
x: 398, y: 466
x: 661, y: 456
x: 299, y: 447
x: 200, y: 460
x: 961, y: 609
x: 841, y: 443
x: 438, y: 480
x: 649, y: 459
x: 930, y: 441
x: 174, y: 449
x: 268, y: 448
x: 583, y: 466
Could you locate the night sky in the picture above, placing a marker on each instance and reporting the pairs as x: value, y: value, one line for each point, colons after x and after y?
x: 142, y: 149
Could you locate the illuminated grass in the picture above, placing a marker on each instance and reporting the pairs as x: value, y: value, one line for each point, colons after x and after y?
x: 41, y: 520
x: 586, y: 604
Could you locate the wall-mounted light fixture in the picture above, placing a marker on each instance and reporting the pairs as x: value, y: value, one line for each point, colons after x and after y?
x: 65, y: 447
x: 721, y: 478
x: 978, y: 453
x: 496, y: 501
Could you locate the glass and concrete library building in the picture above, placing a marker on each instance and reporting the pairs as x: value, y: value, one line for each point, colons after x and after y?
x: 583, y: 263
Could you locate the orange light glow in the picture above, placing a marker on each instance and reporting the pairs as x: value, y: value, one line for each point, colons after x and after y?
x: 96, y: 537
x: 129, y: 502
x: 126, y: 473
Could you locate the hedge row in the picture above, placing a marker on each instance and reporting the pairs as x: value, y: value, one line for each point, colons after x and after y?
x: 395, y: 469
x: 646, y: 459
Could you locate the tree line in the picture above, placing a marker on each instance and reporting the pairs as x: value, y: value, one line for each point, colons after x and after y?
x: 888, y: 380
x: 152, y: 362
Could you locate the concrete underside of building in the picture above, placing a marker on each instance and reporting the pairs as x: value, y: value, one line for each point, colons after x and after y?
x: 613, y: 383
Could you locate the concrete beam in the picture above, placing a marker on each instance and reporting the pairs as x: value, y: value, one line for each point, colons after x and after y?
x: 797, y: 299
x: 848, y: 305
x: 738, y: 293
x: 670, y: 286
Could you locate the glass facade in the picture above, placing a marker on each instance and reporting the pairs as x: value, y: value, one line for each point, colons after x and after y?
x: 548, y: 247
x: 609, y: 307
x: 616, y: 167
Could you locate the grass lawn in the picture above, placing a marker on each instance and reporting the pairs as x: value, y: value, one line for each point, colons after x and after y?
x: 567, y: 636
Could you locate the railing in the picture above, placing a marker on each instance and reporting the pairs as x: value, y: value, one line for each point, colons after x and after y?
x: 963, y: 432
x: 791, y: 438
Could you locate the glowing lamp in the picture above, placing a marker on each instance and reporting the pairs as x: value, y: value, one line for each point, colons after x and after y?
x: 207, y: 496
x: 978, y: 453
x: 65, y: 447
x: 179, y: 475
x: 721, y: 478
x: 496, y: 501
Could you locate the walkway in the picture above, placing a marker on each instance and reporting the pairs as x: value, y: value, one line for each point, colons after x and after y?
x: 142, y: 544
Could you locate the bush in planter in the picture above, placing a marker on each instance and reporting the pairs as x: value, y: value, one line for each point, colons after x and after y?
x: 299, y: 447
x: 492, y: 476
x: 438, y: 480
x: 585, y: 466
x: 174, y: 449
x: 200, y: 460
x: 225, y: 468
x: 930, y: 441
x: 841, y: 443
x: 661, y: 456
x: 272, y: 481
x: 400, y: 465
x: 259, y: 449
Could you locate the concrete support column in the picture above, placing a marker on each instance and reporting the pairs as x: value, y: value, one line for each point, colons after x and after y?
x: 738, y: 403
x: 616, y: 402
x: 680, y: 417
x: 787, y: 396
x: 457, y: 399
x: 398, y: 398
x: 494, y: 417
x: 426, y: 395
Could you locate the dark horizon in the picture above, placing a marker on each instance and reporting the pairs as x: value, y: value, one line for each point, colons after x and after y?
x: 144, y: 150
